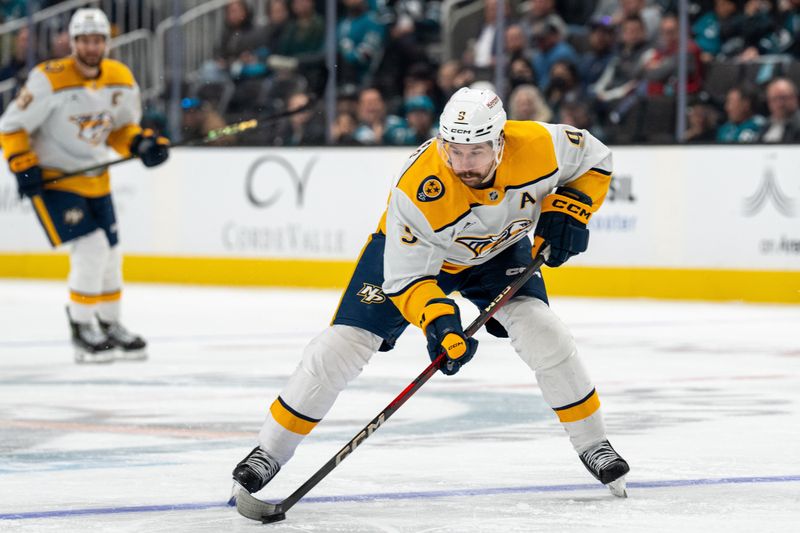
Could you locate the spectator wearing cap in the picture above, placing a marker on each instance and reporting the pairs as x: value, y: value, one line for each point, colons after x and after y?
x: 743, y: 124
x: 548, y: 35
x: 600, y: 53
x: 200, y: 118
x: 783, y: 124
x: 527, y: 103
x: 419, y: 125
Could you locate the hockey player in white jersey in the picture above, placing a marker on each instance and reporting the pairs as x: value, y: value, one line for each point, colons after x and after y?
x: 458, y: 219
x: 72, y: 113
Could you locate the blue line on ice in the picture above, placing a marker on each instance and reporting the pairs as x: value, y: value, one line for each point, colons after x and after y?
x: 408, y: 496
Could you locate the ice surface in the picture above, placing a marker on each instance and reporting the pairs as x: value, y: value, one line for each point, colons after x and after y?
x: 703, y: 400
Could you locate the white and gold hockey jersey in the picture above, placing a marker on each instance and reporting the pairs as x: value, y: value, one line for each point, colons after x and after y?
x: 436, y: 223
x: 72, y: 122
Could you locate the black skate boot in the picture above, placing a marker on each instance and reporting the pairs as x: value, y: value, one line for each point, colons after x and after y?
x: 605, y: 464
x: 131, y: 347
x: 255, y: 470
x: 90, y: 343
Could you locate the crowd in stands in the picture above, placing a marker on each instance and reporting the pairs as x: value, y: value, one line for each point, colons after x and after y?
x: 610, y: 66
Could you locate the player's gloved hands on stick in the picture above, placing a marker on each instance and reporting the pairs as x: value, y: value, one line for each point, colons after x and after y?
x: 441, y: 322
x: 25, y: 167
x: 562, y: 224
x: 152, y: 149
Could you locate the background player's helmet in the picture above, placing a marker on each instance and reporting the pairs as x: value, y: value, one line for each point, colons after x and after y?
x: 89, y: 21
x: 472, y: 116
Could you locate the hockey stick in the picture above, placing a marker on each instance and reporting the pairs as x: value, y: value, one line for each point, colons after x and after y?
x: 214, y: 135
x: 251, y: 507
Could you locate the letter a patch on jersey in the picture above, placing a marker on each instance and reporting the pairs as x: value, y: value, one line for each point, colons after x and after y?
x: 526, y: 198
x: 371, y: 294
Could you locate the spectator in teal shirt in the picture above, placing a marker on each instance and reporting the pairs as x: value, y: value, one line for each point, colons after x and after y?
x: 361, y: 40
x: 743, y: 124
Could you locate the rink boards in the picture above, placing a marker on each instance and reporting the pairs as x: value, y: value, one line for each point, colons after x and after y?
x: 713, y: 223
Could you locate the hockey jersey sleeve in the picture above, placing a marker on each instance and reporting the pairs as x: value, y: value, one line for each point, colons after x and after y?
x: 126, y: 118
x: 585, y: 162
x: 413, y: 257
x: 26, y: 113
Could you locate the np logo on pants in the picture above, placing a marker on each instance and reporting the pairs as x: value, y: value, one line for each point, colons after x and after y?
x: 371, y: 294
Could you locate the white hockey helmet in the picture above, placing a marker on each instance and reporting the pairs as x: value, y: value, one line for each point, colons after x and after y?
x: 472, y: 116
x: 89, y: 21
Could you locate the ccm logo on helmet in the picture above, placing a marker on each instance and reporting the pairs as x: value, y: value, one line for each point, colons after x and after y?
x: 460, y: 131
x: 572, y: 208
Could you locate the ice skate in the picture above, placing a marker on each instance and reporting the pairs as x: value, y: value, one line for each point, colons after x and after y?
x: 255, y: 470
x: 130, y: 347
x: 606, y: 465
x: 91, y: 344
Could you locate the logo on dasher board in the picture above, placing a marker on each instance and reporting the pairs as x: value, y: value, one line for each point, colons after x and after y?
x: 484, y: 245
x: 265, y: 180
x: 371, y: 294
x: 769, y: 192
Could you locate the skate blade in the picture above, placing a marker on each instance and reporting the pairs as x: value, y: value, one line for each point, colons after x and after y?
x: 618, y: 488
x: 86, y: 358
x: 130, y: 355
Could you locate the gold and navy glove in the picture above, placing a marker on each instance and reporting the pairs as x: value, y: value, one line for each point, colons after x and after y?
x: 441, y: 322
x: 152, y: 149
x: 562, y: 224
x: 25, y: 167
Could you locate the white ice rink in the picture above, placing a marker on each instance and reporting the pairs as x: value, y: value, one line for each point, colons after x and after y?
x: 703, y: 400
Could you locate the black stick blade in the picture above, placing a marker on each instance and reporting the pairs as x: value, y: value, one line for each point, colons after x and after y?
x: 251, y: 507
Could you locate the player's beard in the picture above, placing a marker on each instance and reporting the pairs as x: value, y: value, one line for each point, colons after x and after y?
x: 471, y: 178
x: 89, y: 60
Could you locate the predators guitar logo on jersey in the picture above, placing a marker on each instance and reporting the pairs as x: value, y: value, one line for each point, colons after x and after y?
x: 94, y: 128
x: 483, y: 246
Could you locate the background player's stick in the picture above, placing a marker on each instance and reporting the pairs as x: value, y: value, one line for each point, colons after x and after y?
x: 251, y: 507
x: 214, y: 135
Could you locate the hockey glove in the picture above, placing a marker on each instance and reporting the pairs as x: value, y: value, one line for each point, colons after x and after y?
x: 152, y: 149
x: 25, y: 167
x: 441, y: 322
x: 562, y: 224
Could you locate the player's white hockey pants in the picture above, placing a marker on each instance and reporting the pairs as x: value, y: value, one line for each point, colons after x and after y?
x: 95, y: 278
x: 338, y: 354
x: 547, y: 347
x: 330, y: 361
